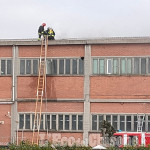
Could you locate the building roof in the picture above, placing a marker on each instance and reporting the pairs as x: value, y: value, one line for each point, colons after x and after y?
x: 109, y: 40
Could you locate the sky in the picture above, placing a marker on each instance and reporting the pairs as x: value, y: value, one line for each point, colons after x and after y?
x: 20, y: 19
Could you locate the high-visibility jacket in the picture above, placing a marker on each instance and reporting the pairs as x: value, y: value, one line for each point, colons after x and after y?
x: 51, y: 33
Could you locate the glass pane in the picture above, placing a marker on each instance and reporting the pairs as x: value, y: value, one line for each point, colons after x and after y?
x: 66, y: 122
x: 35, y: 66
x: 21, y: 121
x: 27, y: 121
x: 100, y: 121
x: 81, y: 66
x: 101, y: 66
x: 143, y: 65
x: 74, y: 120
x: 115, y: 66
x: 80, y: 122
x: 54, y: 66
x: 54, y: 122
x: 22, y: 66
x: 94, y: 122
x: 28, y: 66
x: 61, y: 66
x: 47, y: 121
x: 95, y: 66
x: 67, y: 66
x: 9, y: 63
x: 41, y: 124
x: 109, y: 66
x: 60, y: 120
x: 136, y: 65
x: 48, y: 67
x: 122, y: 123
x: 3, y: 65
x: 148, y: 123
x: 114, y: 122
x: 128, y: 123
x: 129, y: 66
x: 74, y: 66
x: 123, y: 66
x: 135, y: 123
x: 108, y: 118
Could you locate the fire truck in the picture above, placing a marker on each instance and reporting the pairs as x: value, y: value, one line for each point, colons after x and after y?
x: 121, y: 139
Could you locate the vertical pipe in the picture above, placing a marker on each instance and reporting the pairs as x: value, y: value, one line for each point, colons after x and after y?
x: 13, y: 84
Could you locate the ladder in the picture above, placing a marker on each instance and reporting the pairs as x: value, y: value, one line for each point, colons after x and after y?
x: 40, y: 91
x: 140, y: 120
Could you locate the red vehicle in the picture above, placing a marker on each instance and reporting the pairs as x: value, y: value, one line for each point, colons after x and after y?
x: 122, y: 139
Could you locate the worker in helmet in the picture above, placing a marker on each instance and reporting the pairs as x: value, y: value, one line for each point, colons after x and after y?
x: 51, y: 34
x: 41, y: 30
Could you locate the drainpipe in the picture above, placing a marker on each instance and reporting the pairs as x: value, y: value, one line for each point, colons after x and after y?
x: 13, y: 84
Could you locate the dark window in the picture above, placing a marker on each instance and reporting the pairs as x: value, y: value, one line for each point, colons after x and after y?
x: 54, y: 66
x: 54, y: 122
x: 109, y: 66
x: 114, y: 121
x: 122, y: 123
x: 35, y: 66
x: 41, y: 123
x: 148, y: 123
x: 81, y: 66
x: 67, y: 66
x: 148, y: 65
x: 74, y: 120
x: 108, y: 118
x: 61, y: 66
x: 135, y: 123
x: 9, y: 66
x: 28, y: 66
x: 3, y: 66
x: 100, y: 121
x: 60, y: 118
x: 143, y: 65
x: 128, y: 123
x: 27, y: 121
x: 21, y: 121
x: 94, y: 122
x: 22, y: 66
x: 47, y: 121
x: 80, y: 122
x: 74, y: 66
x: 136, y: 65
x: 66, y: 122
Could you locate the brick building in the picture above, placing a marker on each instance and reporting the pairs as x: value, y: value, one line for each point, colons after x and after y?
x: 87, y: 81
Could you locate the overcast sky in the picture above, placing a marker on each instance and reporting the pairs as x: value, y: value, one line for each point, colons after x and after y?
x: 20, y: 19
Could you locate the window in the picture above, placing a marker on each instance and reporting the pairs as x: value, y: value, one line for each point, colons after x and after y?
x: 6, y: 67
x: 123, y: 122
x: 74, y: 122
x: 121, y: 66
x: 63, y: 122
x: 94, y: 122
x: 29, y: 66
x: 61, y: 66
x: 67, y: 66
x: 74, y: 66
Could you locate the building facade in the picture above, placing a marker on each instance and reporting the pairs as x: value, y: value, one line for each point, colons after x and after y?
x: 87, y: 81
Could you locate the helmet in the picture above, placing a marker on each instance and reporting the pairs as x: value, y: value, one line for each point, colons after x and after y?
x: 43, y: 24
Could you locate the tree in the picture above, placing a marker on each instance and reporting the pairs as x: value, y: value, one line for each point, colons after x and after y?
x: 107, y: 129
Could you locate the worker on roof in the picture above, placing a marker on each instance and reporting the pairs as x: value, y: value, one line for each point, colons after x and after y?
x: 51, y: 34
x: 41, y: 30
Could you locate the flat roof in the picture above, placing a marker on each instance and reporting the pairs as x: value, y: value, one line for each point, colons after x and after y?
x: 109, y: 40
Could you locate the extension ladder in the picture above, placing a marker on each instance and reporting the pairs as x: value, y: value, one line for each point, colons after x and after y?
x: 40, y: 91
x: 140, y: 120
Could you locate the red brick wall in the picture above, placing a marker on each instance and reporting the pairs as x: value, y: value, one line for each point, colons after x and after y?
x: 57, y: 87
x: 121, y: 50
x: 120, y: 108
x: 51, y: 107
x: 120, y: 87
x: 53, y: 51
x: 5, y: 51
x: 5, y: 88
x: 6, y: 127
